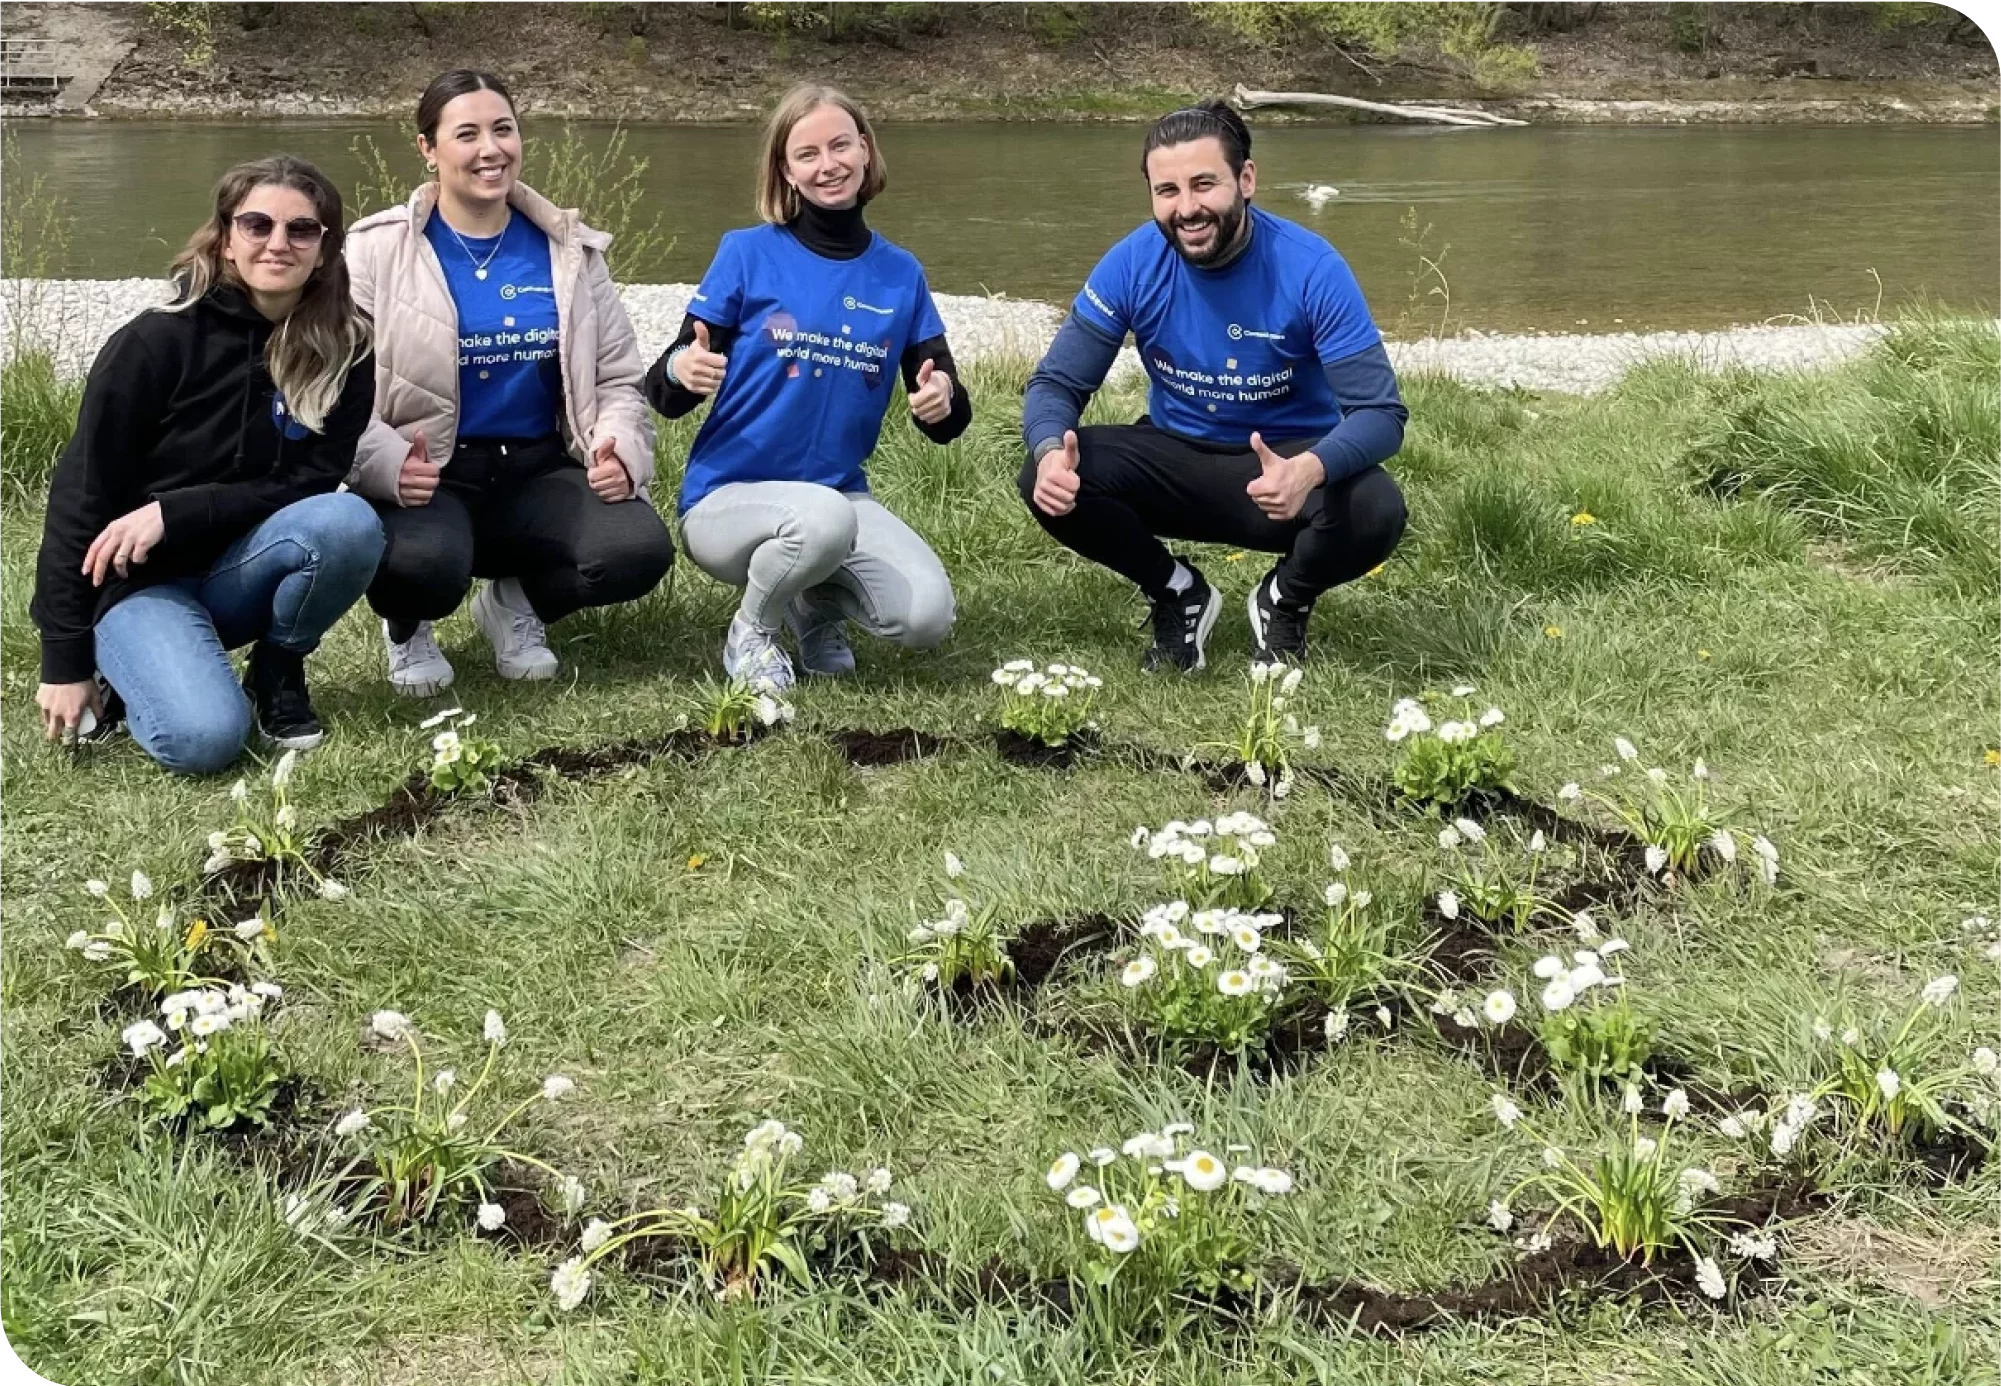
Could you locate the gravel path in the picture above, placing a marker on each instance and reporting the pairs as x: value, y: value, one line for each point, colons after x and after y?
x: 76, y: 315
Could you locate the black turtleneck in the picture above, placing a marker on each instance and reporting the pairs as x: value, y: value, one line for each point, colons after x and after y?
x: 833, y: 234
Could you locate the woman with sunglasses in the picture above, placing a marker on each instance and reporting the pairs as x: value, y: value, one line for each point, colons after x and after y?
x: 795, y: 331
x: 195, y: 508
x: 510, y: 440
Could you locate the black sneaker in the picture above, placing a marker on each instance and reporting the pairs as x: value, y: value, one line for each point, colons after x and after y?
x: 110, y: 720
x: 276, y: 683
x: 1181, y: 625
x: 1278, y: 628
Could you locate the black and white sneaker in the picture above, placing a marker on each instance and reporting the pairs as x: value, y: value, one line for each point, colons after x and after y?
x: 1181, y: 625
x: 1278, y: 628
x: 276, y: 683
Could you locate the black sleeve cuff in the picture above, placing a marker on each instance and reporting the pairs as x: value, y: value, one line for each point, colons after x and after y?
x: 69, y: 658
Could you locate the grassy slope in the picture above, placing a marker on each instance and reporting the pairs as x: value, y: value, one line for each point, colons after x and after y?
x: 1839, y: 681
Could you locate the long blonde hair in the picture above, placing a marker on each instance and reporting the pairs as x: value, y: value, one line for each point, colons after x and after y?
x: 319, y: 341
x: 777, y: 200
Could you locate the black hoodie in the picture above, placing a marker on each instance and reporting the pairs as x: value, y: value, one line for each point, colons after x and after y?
x: 180, y: 409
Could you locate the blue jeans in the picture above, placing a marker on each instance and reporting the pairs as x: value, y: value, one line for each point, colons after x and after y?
x: 166, y: 648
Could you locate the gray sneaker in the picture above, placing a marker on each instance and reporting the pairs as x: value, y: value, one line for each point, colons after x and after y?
x: 822, y: 633
x: 755, y: 657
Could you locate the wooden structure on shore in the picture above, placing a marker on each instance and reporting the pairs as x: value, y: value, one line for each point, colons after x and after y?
x: 1443, y: 115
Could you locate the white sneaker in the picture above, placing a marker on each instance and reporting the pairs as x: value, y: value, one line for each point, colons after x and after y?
x: 520, y: 640
x: 756, y: 658
x: 417, y: 667
x: 822, y: 633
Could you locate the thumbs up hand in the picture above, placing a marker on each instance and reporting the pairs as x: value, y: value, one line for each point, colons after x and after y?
x: 417, y: 478
x: 1056, y: 480
x: 699, y: 369
x: 1280, y: 489
x: 932, y: 399
x: 607, y: 475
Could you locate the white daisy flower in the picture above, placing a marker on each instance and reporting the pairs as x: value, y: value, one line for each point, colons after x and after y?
x: 1063, y: 1171
x: 1498, y: 1216
x: 1499, y: 1007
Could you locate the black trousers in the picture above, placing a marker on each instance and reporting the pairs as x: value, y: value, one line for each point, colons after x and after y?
x: 1138, y: 485
x: 521, y: 509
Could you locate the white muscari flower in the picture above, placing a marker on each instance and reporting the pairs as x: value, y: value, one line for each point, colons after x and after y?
x: 1464, y: 690
x: 1552, y: 1156
x: 142, y: 885
x: 570, y: 1283
x: 1700, y: 771
x: 444, y: 1080
x: 1939, y: 990
x: 1310, y: 738
x: 455, y: 1122
x: 1538, y: 843
x: 570, y: 1194
x: 1822, y: 1031
x: 1723, y: 842
x: 895, y: 1215
x: 1733, y: 1127
x: 819, y: 1200
x: 1985, y: 1062
x: 1335, y: 1027
x: 1448, y: 904
x: 1291, y: 680
x: 1657, y: 775
x: 1463, y: 1018
x: 491, y: 1217
x: 1754, y: 1245
x: 1383, y: 1016
x: 97, y: 890
x: 1631, y: 1103
x: 555, y: 1086
x: 390, y: 1025
x: 356, y: 1120
x: 330, y: 889
x: 1498, y: 1216
x: 281, y: 773
x: 495, y: 1030
x: 1570, y: 792
x: 596, y: 1233
x: 1657, y: 858
x: 1499, y: 1007
x: 78, y: 940
x: 1063, y: 1171
x: 1505, y: 1111
x: 1625, y: 748
x: 1709, y: 1278
x: 1888, y: 1083
x: 248, y: 930
x: 928, y: 973
x: 1448, y: 837
x: 1644, y: 1147
x: 1583, y: 926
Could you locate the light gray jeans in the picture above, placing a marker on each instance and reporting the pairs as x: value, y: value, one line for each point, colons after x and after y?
x: 783, y: 539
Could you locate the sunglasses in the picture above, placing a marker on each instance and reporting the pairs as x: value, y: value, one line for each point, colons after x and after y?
x: 258, y: 226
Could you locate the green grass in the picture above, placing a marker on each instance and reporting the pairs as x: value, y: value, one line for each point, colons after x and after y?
x: 1837, y: 678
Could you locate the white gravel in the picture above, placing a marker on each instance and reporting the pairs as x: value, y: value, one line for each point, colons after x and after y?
x: 72, y: 317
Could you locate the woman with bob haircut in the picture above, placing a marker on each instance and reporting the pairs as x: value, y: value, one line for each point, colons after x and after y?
x: 511, y: 440
x: 794, y: 331
x: 195, y: 507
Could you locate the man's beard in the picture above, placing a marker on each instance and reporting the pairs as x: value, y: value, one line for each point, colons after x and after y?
x: 1229, y: 225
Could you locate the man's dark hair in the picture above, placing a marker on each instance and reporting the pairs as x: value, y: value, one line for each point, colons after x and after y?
x: 1211, y: 120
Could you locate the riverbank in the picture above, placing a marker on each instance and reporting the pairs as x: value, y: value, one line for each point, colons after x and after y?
x: 1622, y: 64
x: 70, y: 319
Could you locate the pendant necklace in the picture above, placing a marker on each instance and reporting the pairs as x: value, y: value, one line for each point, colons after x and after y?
x: 478, y: 265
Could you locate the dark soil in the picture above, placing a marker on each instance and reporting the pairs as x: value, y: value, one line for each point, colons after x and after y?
x: 1952, y: 1157
x: 1017, y: 749
x: 1461, y: 949
x: 1040, y: 948
x: 529, y: 1226
x: 867, y: 749
x: 1569, y: 1268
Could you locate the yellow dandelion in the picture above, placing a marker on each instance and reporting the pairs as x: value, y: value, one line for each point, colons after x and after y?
x: 1553, y: 632
x: 1991, y: 756
x: 1237, y: 557
x: 1373, y: 571
x: 1702, y: 654
x: 1582, y: 518
x: 196, y: 934
x: 695, y: 862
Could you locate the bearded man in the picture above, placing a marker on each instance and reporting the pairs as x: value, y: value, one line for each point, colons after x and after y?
x: 1271, y: 405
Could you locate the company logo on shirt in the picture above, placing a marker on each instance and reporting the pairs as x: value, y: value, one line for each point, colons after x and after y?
x: 852, y: 302
x: 509, y: 291
x: 1238, y: 332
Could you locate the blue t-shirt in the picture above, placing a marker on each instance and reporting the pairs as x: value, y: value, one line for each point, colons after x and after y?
x: 1238, y: 349
x: 510, y: 373
x: 818, y: 343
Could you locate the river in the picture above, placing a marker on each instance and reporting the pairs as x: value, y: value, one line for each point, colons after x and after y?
x: 1542, y: 229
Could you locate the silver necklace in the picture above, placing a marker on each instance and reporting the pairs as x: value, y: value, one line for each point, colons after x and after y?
x: 478, y: 265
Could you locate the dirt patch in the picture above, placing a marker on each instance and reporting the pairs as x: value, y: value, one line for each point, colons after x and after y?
x: 1017, y: 749
x: 1514, y: 1053
x: 1461, y: 950
x: 1042, y: 947
x: 530, y: 1227
x: 868, y: 749
x: 1952, y: 1157
x: 1571, y: 1268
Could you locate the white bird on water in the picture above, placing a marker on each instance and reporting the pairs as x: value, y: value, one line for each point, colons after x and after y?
x: 1316, y: 194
